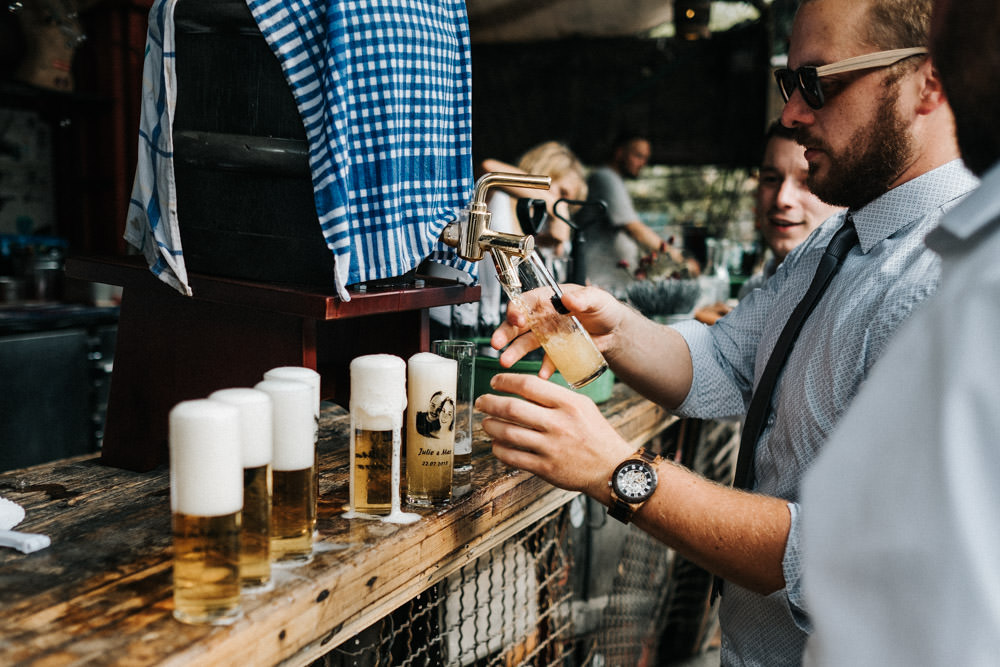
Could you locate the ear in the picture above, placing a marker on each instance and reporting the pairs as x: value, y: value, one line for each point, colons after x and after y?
x: 931, y: 93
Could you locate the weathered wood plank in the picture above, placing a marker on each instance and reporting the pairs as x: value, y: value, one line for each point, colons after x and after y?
x: 102, y: 593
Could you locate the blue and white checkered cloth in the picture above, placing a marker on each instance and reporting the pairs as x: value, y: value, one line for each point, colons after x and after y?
x: 384, y: 90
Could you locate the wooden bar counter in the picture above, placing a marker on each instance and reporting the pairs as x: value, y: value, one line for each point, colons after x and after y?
x: 101, y: 593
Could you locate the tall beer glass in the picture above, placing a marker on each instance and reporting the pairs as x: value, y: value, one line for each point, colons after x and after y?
x: 256, y: 427
x: 430, y: 428
x: 206, y: 498
x: 378, y: 399
x: 313, y: 379
x: 566, y: 342
x: 464, y: 353
x: 293, y: 506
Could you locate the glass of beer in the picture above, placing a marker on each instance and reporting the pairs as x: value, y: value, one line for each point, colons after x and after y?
x: 464, y: 353
x: 311, y: 378
x: 378, y: 399
x: 430, y: 428
x: 293, y: 501
x: 564, y: 339
x: 256, y: 450
x: 206, y: 499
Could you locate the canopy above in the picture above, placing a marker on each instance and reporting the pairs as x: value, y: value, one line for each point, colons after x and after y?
x: 530, y: 20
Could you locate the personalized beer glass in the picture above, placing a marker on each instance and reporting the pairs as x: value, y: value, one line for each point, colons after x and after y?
x: 464, y: 353
x: 532, y: 289
x: 206, y: 499
x: 378, y: 399
x: 430, y: 428
x: 256, y: 448
x: 293, y: 505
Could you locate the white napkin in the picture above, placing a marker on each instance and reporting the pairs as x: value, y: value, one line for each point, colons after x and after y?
x: 12, y: 514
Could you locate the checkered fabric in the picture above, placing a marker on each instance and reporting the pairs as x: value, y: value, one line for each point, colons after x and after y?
x: 384, y: 90
x: 882, y: 280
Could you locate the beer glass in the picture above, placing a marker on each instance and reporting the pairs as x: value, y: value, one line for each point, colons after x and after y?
x: 430, y: 428
x: 311, y: 378
x: 256, y: 450
x: 463, y: 352
x: 293, y: 505
x: 206, y: 498
x: 530, y: 286
x: 378, y: 399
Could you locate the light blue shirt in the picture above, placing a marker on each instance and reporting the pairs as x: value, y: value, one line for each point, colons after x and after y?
x: 882, y: 279
x: 902, y: 568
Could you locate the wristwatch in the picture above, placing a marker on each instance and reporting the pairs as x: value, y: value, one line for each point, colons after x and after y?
x: 632, y: 483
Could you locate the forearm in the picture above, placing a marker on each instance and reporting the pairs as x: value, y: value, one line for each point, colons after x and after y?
x: 737, y: 535
x: 644, y: 235
x: 653, y: 359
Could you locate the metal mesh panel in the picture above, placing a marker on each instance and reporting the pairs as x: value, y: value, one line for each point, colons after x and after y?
x: 527, y: 602
x: 509, y: 608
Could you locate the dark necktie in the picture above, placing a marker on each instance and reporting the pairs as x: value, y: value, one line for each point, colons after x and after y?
x: 760, y: 404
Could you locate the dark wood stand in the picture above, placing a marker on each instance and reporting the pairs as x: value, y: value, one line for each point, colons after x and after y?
x: 172, y: 347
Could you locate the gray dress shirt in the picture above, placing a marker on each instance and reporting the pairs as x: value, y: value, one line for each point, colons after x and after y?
x: 883, y: 278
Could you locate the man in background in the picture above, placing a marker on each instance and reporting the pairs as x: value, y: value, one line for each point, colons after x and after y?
x: 622, y: 236
x: 786, y: 210
x: 902, y: 539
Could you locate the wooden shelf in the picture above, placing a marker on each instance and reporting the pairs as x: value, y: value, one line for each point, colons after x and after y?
x: 173, y: 347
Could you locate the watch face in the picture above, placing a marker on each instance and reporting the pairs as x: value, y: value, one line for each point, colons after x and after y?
x: 634, y: 481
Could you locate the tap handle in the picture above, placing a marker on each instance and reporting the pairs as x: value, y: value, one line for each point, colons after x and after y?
x: 530, y: 213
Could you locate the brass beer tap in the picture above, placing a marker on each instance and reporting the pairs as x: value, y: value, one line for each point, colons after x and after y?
x: 473, y: 236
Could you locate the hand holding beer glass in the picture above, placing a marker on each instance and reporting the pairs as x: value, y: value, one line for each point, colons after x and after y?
x: 536, y: 295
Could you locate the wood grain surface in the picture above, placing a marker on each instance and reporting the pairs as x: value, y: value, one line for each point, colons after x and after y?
x: 101, y: 594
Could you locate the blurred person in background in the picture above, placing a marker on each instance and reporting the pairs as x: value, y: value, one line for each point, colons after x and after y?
x: 621, y: 237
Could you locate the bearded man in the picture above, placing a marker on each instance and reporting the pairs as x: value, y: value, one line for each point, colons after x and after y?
x: 866, y: 102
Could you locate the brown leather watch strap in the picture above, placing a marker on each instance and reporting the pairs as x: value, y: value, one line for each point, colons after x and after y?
x: 619, y: 509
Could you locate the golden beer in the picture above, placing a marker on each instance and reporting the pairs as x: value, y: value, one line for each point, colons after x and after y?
x: 293, y: 514
x: 372, y: 472
x: 565, y: 341
x: 430, y: 428
x: 206, y: 501
x: 255, y: 538
x: 206, y: 568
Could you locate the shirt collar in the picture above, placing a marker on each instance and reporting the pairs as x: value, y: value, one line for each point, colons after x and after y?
x: 897, y: 208
x: 978, y: 209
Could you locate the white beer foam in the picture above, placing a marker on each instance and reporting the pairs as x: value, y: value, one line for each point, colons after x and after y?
x: 378, y: 388
x: 294, y: 424
x: 206, y: 466
x: 256, y: 423
x: 427, y: 374
x: 298, y: 374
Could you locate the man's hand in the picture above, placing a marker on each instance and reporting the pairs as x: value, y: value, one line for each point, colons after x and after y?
x: 552, y: 432
x: 598, y: 311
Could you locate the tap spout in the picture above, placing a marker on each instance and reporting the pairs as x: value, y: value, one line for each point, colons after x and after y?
x: 476, y: 236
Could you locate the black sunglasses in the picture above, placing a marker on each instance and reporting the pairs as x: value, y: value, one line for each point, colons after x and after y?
x: 806, y: 78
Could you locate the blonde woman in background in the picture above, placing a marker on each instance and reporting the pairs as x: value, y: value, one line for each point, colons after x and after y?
x: 553, y: 159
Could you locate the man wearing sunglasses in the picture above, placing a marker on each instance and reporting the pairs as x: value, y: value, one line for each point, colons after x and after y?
x: 879, y: 139
x: 902, y: 569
